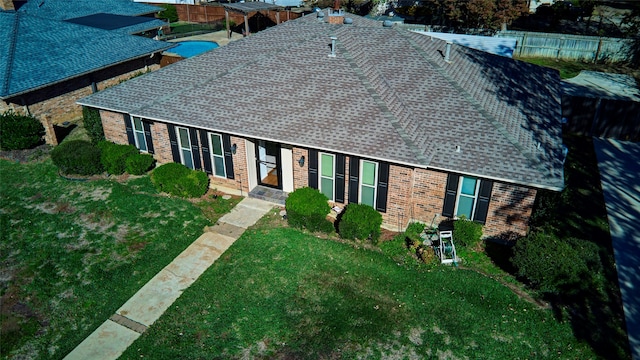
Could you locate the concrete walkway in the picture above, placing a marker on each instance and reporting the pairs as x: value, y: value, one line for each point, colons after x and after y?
x: 115, y: 335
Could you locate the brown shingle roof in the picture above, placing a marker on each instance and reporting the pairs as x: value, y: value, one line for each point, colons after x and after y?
x: 388, y: 95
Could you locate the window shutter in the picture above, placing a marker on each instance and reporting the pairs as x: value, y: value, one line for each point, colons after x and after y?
x: 313, y: 168
x: 195, y: 149
x: 128, y: 126
x: 147, y: 135
x: 383, y: 185
x: 339, y: 187
x: 484, y: 195
x: 354, y: 181
x: 175, y: 151
x: 450, y: 195
x: 228, y: 156
x: 206, y: 156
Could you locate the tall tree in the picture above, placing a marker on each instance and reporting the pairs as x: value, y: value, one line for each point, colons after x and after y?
x: 631, y: 26
x: 480, y: 13
x: 509, y: 10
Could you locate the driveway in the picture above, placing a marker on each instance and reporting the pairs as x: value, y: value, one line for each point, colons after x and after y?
x: 619, y: 164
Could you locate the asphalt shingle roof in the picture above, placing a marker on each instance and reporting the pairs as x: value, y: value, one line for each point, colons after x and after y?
x: 39, y: 52
x: 388, y: 95
x: 69, y: 9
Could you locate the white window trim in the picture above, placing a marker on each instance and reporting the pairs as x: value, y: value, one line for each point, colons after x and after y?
x: 213, y: 156
x: 180, y: 144
x: 375, y: 182
x: 333, y: 177
x: 135, y: 134
x: 475, y: 196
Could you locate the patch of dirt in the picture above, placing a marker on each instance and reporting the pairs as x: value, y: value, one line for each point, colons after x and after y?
x: 38, y: 153
x: 18, y: 319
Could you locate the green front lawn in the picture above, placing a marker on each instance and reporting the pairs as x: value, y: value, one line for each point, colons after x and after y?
x: 71, y: 253
x: 281, y: 293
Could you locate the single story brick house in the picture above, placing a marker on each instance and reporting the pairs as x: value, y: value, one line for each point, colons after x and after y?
x: 55, y: 52
x: 365, y: 112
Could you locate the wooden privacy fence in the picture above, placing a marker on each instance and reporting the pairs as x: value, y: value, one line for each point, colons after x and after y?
x: 568, y: 47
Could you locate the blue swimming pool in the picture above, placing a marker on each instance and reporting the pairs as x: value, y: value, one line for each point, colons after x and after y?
x: 187, y: 49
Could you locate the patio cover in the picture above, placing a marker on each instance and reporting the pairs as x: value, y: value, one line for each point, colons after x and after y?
x: 246, y: 8
x: 619, y: 164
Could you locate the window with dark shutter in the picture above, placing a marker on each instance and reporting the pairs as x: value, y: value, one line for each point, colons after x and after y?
x: 228, y: 156
x: 173, y: 141
x: 129, y: 127
x: 340, y: 173
x: 195, y: 149
x: 382, y: 188
x: 313, y: 168
x: 147, y: 135
x: 482, y: 206
x: 206, y: 155
x: 450, y: 195
x: 354, y: 182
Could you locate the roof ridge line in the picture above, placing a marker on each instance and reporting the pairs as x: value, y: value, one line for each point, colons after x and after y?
x: 395, y: 123
x: 11, y: 55
x: 477, y: 105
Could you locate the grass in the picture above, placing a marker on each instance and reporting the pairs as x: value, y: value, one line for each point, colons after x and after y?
x: 281, y: 293
x: 569, y: 69
x: 71, y: 253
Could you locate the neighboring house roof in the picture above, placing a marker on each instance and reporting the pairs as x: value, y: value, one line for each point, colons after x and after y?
x: 70, y: 9
x: 123, y: 16
x: 38, y: 52
x: 494, y: 45
x: 388, y: 94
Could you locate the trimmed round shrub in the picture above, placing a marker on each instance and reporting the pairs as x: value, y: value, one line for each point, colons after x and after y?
x: 360, y: 221
x: 556, y: 266
x: 138, y: 164
x: 93, y: 124
x: 308, y: 208
x: 177, y: 179
x: 466, y: 233
x: 114, y: 156
x: 19, y: 132
x: 77, y: 157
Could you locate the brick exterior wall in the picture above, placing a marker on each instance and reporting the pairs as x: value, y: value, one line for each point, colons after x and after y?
x: 413, y: 194
x: 300, y: 174
x: 56, y: 104
x: 428, y: 195
x: 509, y: 210
x: 399, y: 199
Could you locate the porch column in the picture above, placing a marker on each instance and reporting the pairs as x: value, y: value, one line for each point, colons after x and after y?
x: 278, y: 17
x: 246, y: 25
x: 226, y: 17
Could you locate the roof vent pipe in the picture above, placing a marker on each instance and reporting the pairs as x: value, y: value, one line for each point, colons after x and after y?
x: 333, y: 46
x: 447, y: 52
